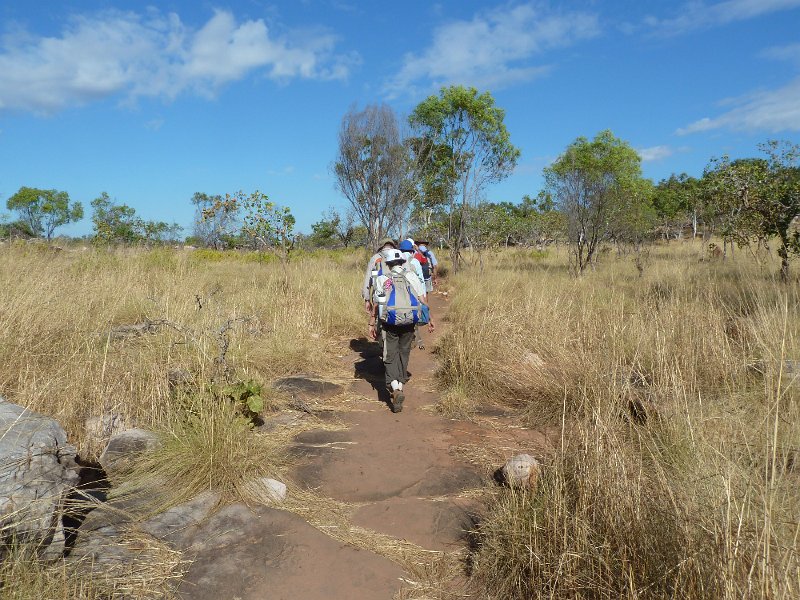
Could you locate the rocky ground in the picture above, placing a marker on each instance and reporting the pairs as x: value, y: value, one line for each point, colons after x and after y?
x: 414, y: 477
x: 379, y: 505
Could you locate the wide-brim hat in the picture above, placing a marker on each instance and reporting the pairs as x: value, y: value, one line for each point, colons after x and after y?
x: 384, y: 241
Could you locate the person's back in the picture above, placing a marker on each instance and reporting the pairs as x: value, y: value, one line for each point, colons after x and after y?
x: 427, y: 254
x: 412, y: 264
x: 374, y: 265
x: 398, y: 307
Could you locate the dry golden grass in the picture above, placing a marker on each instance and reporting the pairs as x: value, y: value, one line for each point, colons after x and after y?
x: 152, y: 572
x: 57, y: 309
x: 57, y: 357
x: 677, y: 476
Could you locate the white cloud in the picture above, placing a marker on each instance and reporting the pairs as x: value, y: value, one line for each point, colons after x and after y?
x: 701, y: 15
x: 493, y: 49
x: 790, y: 52
x: 135, y: 55
x: 286, y: 170
x: 654, y: 153
x: 772, y: 111
x: 154, y: 124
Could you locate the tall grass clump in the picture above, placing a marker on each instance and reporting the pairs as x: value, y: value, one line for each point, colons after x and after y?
x: 151, y: 573
x: 675, y: 397
x: 207, y: 447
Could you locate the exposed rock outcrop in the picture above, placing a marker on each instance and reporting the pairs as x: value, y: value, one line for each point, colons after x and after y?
x: 37, y: 472
x: 124, y: 447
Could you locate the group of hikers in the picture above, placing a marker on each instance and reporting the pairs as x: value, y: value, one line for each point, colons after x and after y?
x: 397, y: 282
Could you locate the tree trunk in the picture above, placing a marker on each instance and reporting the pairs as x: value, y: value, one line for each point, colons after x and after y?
x: 783, y: 252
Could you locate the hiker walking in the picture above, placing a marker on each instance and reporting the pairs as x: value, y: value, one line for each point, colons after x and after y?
x: 408, y: 248
x: 428, y: 263
x: 397, y: 307
x: 372, y: 271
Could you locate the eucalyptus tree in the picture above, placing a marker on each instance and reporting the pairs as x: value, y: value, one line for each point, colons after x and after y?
x: 759, y: 198
x: 43, y: 211
x: 463, y: 145
x: 593, y: 182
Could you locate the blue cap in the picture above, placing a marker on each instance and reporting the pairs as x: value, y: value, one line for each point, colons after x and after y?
x: 406, y: 246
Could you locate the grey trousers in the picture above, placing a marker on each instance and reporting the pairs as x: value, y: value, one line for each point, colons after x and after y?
x: 396, y: 352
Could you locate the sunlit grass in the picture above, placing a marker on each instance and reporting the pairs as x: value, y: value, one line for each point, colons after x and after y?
x: 677, y: 475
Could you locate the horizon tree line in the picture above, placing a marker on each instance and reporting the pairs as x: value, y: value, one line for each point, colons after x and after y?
x: 428, y: 176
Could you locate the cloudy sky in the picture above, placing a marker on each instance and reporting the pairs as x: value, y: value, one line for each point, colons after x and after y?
x: 153, y: 103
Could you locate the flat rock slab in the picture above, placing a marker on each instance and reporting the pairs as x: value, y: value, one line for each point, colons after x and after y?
x: 432, y: 524
x: 271, y: 554
x: 307, y: 387
x: 386, y: 456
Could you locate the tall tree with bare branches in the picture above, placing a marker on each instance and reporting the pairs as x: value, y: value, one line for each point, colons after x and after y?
x: 374, y: 170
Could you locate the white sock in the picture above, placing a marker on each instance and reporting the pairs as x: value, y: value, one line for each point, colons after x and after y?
x: 396, y: 385
x: 401, y: 386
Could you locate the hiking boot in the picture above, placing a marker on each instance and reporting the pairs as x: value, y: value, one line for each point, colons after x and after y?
x: 397, y: 401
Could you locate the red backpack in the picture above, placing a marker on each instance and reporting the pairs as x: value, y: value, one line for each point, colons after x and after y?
x: 426, y: 265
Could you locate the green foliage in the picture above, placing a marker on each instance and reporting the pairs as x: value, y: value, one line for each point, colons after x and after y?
x: 17, y: 228
x: 241, y: 220
x: 463, y: 145
x: 633, y: 219
x: 677, y: 200
x: 592, y: 183
x: 44, y: 210
x: 217, y: 220
x: 118, y: 224
x: 246, y: 398
x: 323, y: 232
x: 267, y: 223
x: 334, y: 230
x: 759, y: 198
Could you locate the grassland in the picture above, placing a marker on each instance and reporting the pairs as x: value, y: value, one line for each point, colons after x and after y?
x: 65, y: 350
x: 675, y: 399
x: 91, y: 332
x: 673, y: 396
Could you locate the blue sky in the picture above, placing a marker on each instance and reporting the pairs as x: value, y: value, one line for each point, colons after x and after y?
x: 152, y: 103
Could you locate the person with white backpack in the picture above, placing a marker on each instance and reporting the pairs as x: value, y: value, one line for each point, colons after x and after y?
x: 373, y: 268
x: 398, y: 304
x: 413, y: 265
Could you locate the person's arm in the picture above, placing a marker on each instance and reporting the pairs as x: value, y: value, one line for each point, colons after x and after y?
x: 373, y: 323
x: 434, y: 263
x: 366, y: 286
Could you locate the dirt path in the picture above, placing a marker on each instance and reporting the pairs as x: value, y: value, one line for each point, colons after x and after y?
x: 403, y: 471
x: 403, y: 487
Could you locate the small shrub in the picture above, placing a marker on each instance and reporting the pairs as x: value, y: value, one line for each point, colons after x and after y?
x: 246, y: 397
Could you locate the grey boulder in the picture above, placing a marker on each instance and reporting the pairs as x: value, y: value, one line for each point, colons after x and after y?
x: 124, y: 447
x: 37, y: 472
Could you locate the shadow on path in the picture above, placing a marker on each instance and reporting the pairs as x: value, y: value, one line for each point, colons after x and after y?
x: 370, y: 367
